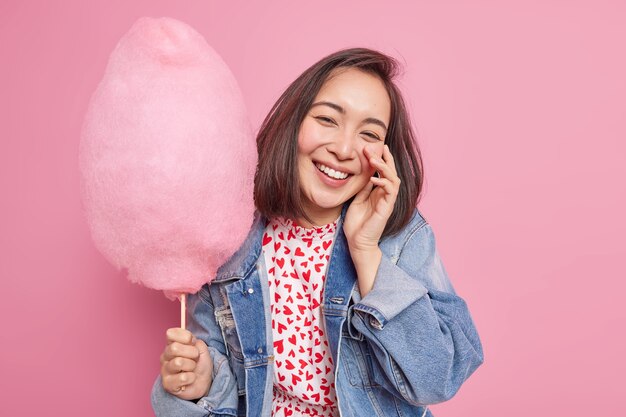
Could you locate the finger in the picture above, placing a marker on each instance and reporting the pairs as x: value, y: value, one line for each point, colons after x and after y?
x: 387, y: 168
x: 174, y: 383
x: 387, y: 156
x: 186, y: 378
x: 203, y: 349
x: 176, y: 349
x: 387, y: 185
x: 384, y: 169
x: 371, y: 151
x: 179, y: 364
x: 176, y: 334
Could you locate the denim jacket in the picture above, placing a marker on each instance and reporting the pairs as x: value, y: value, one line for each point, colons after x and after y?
x: 408, y: 343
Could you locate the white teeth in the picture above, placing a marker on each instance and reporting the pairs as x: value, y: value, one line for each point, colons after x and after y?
x: 331, y: 172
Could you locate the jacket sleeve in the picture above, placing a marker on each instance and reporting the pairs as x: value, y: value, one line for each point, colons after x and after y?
x: 222, y: 399
x: 424, y: 340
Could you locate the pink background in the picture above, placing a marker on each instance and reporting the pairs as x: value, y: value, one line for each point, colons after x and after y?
x: 521, y: 112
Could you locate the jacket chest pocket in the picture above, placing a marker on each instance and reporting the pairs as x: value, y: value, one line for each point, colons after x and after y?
x: 226, y: 323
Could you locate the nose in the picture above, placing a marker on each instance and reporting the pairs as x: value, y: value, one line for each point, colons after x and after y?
x: 343, y: 145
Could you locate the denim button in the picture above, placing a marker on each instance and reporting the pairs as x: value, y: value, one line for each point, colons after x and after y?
x: 260, y: 350
x: 250, y: 290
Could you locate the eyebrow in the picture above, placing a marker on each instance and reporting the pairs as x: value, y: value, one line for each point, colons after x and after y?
x: 341, y: 110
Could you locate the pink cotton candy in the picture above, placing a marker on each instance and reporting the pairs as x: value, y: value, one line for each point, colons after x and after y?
x: 167, y: 159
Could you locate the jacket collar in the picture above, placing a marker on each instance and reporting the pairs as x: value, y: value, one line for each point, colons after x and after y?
x: 244, y: 259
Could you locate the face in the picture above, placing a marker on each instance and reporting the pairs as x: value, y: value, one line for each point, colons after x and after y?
x: 350, y: 112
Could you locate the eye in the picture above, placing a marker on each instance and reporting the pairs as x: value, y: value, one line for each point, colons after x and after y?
x: 371, y: 135
x: 326, y: 119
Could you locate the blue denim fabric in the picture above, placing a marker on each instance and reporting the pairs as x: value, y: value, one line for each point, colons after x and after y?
x: 408, y: 343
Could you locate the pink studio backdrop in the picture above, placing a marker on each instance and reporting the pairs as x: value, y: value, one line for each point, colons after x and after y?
x: 521, y: 112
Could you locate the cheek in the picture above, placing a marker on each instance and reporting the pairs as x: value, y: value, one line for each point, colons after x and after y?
x: 308, y: 139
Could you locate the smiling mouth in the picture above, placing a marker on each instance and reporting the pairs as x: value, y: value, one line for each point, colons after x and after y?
x: 337, y: 175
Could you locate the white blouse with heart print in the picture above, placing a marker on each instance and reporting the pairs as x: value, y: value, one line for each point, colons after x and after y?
x: 296, y: 259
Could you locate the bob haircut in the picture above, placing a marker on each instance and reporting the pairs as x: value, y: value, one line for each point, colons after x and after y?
x: 276, y: 182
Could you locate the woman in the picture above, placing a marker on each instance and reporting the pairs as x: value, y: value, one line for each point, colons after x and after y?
x: 337, y: 302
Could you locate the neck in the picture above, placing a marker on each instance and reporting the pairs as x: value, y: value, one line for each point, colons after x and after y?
x: 319, y: 217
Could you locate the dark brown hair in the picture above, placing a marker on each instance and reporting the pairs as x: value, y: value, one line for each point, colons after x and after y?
x: 276, y: 182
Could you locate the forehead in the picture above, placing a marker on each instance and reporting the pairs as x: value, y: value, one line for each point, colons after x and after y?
x: 356, y: 91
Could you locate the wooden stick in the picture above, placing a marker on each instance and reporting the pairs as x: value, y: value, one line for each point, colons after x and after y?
x: 183, y: 317
x: 183, y: 312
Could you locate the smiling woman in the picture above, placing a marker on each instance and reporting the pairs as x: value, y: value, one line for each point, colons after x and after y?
x: 358, y: 94
x: 337, y: 303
